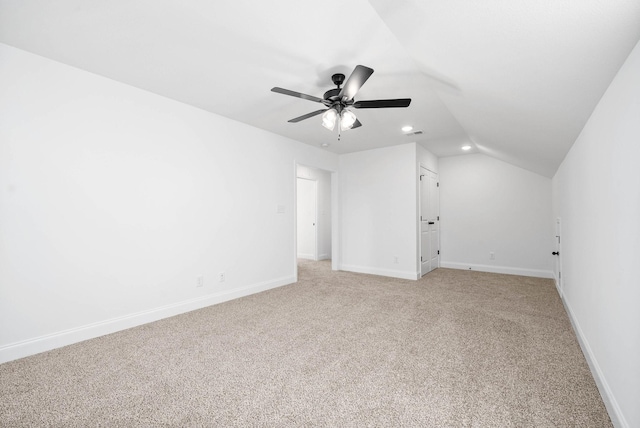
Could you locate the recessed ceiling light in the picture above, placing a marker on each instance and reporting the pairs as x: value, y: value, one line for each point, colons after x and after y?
x: 407, y: 128
x: 466, y: 147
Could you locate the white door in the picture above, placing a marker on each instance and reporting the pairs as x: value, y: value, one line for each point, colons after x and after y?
x: 558, y: 254
x: 306, y: 224
x: 429, y: 221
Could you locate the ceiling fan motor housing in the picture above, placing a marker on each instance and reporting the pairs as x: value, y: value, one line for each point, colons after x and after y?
x: 332, y: 94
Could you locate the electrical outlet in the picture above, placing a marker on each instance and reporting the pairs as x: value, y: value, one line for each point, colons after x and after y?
x: 200, y: 281
x: 492, y: 255
x: 221, y: 277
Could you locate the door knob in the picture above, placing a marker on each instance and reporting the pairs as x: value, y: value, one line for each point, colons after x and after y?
x: 556, y: 253
x: 432, y: 222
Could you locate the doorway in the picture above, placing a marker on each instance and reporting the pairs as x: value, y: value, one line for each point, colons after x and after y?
x: 316, y: 213
x: 429, y: 221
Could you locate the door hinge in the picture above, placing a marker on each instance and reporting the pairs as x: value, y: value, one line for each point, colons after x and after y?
x: 438, y: 184
x: 438, y: 251
x: 420, y: 218
x: 438, y: 218
x: 422, y: 175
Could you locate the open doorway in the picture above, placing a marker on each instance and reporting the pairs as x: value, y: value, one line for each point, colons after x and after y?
x: 429, y: 221
x: 314, y: 230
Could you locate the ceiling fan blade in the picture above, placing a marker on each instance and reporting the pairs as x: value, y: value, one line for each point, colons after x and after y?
x: 400, y: 102
x: 353, y: 84
x: 307, y: 116
x: 297, y: 94
x: 356, y: 124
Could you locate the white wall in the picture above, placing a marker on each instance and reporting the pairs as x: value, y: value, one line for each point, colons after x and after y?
x: 113, y: 200
x: 323, y: 180
x: 597, y: 195
x: 378, y: 200
x: 487, y: 205
x: 427, y: 159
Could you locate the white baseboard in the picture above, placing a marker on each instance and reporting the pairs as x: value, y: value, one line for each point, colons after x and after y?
x: 16, y: 350
x: 615, y: 413
x: 382, y: 272
x: 305, y: 256
x: 498, y: 269
x: 324, y: 257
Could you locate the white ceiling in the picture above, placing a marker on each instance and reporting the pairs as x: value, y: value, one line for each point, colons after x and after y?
x: 516, y: 79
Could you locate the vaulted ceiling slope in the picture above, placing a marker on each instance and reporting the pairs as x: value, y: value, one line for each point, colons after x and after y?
x: 515, y: 79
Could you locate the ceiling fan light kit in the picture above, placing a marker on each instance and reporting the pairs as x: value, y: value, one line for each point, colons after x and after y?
x: 338, y: 99
x: 347, y: 119
x: 329, y: 119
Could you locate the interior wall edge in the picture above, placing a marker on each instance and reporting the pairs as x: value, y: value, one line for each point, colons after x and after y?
x: 615, y: 413
x: 14, y: 351
x: 556, y: 282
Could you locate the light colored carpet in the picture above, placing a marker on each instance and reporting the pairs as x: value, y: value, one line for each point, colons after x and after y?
x: 457, y: 348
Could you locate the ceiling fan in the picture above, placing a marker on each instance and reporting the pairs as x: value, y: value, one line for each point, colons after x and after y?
x: 339, y: 100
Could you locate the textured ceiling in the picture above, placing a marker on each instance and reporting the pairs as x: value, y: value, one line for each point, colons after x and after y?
x: 516, y: 79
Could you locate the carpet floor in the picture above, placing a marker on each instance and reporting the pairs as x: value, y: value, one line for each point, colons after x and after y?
x: 454, y: 349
